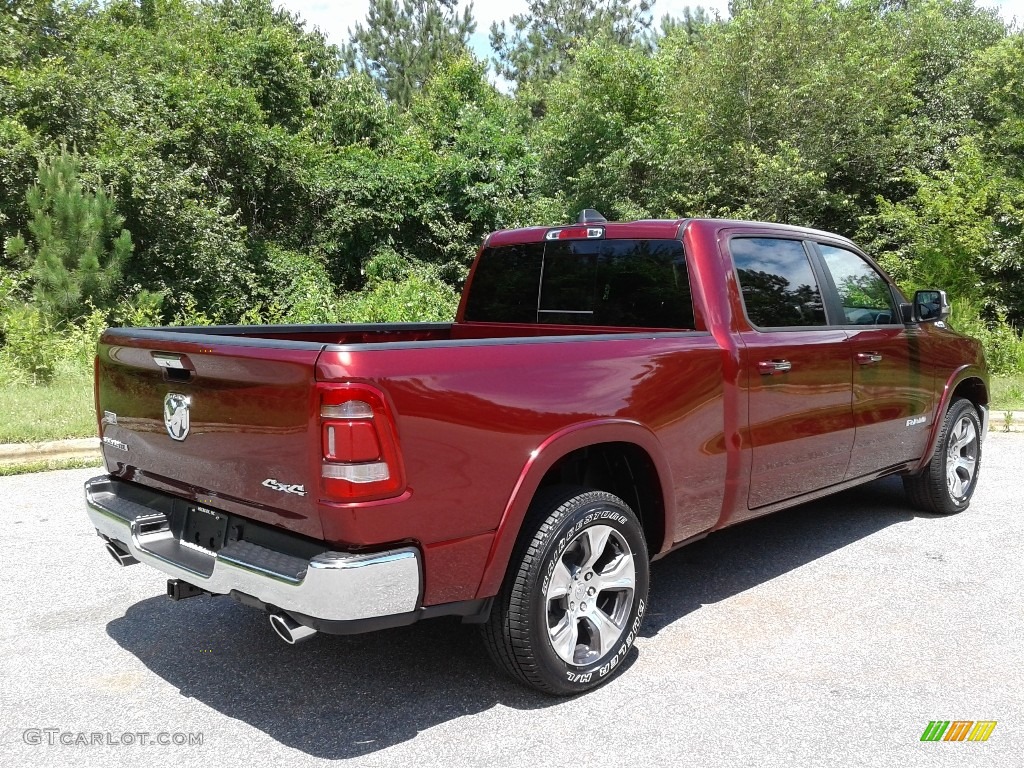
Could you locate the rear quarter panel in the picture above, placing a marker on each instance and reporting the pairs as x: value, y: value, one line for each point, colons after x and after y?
x: 473, y: 418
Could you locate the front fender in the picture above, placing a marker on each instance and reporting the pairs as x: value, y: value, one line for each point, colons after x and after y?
x: 958, y: 377
x: 542, y: 459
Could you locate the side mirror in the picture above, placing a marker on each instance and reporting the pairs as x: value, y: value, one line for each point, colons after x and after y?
x: 931, y: 306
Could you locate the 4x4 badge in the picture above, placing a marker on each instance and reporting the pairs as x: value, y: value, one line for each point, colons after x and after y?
x: 176, y: 415
x: 274, y: 485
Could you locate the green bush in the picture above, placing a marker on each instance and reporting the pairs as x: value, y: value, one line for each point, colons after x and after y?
x: 305, y: 292
x: 31, y: 347
x: 1004, y: 347
x: 189, y: 313
x: 34, y: 351
x: 419, y: 297
x: 143, y: 310
x: 78, y: 346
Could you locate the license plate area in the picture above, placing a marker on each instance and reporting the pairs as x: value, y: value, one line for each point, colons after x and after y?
x: 204, y: 527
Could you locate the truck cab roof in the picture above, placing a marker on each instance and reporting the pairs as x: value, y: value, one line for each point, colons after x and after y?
x: 642, y: 229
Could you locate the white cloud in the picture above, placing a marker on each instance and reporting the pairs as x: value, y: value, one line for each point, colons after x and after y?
x: 1010, y: 10
x: 333, y: 19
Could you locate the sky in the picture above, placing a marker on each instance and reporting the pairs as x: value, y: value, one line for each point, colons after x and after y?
x: 335, y: 18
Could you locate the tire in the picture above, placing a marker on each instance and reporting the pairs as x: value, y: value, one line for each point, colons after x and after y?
x: 567, y: 617
x: 946, y: 485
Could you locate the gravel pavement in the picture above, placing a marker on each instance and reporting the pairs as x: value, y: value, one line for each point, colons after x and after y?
x: 827, y: 635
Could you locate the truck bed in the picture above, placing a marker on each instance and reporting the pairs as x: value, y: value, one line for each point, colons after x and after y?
x: 471, y: 401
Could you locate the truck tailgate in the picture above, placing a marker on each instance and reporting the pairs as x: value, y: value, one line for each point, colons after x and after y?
x: 227, y: 423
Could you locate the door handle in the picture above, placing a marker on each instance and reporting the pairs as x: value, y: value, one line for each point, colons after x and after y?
x: 868, y: 358
x: 771, y: 367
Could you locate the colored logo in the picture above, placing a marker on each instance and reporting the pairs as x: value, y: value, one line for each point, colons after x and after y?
x: 958, y: 730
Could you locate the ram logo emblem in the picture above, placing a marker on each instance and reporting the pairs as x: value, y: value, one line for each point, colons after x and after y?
x: 176, y: 415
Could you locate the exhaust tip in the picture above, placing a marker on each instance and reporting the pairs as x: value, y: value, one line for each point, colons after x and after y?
x: 121, y: 556
x: 289, y: 630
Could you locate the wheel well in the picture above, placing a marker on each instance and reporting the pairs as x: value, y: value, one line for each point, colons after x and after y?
x: 972, y: 389
x: 623, y: 469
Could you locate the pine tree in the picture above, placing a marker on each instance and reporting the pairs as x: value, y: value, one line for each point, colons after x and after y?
x: 402, y: 42
x: 691, y: 25
x: 535, y: 46
x: 78, y: 247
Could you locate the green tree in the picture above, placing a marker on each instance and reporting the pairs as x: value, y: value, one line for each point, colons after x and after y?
x: 27, y: 28
x: 423, y: 186
x: 203, y: 116
x: 533, y: 47
x: 692, y: 23
x: 962, y: 226
x: 403, y: 41
x: 261, y: 177
x: 808, y: 111
x: 18, y: 148
x: 78, y: 247
x: 483, y: 167
x: 610, y: 137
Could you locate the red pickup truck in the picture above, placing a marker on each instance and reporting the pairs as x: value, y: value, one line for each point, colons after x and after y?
x: 607, y: 393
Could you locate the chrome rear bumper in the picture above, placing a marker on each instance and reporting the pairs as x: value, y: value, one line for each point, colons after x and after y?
x: 332, y: 586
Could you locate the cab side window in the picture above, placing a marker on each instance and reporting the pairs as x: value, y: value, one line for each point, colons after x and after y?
x: 778, y: 285
x: 864, y: 294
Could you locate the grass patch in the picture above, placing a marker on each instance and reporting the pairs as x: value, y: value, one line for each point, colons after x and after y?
x: 1007, y: 394
x: 54, y: 411
x: 48, y: 465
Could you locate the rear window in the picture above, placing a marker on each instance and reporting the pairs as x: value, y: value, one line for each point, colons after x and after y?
x: 778, y: 285
x: 614, y: 283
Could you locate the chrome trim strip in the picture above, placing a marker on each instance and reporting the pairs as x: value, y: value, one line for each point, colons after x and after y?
x: 337, y: 586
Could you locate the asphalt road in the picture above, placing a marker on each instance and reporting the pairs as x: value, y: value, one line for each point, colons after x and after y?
x: 826, y: 635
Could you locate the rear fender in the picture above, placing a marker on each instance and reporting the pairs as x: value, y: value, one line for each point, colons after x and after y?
x: 542, y: 459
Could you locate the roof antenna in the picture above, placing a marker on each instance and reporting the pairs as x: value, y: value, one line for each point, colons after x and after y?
x: 590, y: 216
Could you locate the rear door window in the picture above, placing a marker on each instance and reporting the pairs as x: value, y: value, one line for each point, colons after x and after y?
x: 777, y: 282
x: 611, y: 283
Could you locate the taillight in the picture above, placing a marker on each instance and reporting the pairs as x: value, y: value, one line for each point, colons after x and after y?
x: 575, y: 233
x: 359, y: 446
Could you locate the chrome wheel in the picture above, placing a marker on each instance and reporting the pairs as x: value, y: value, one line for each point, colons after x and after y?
x: 575, y: 594
x: 945, y: 484
x: 961, y: 458
x: 589, y: 595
